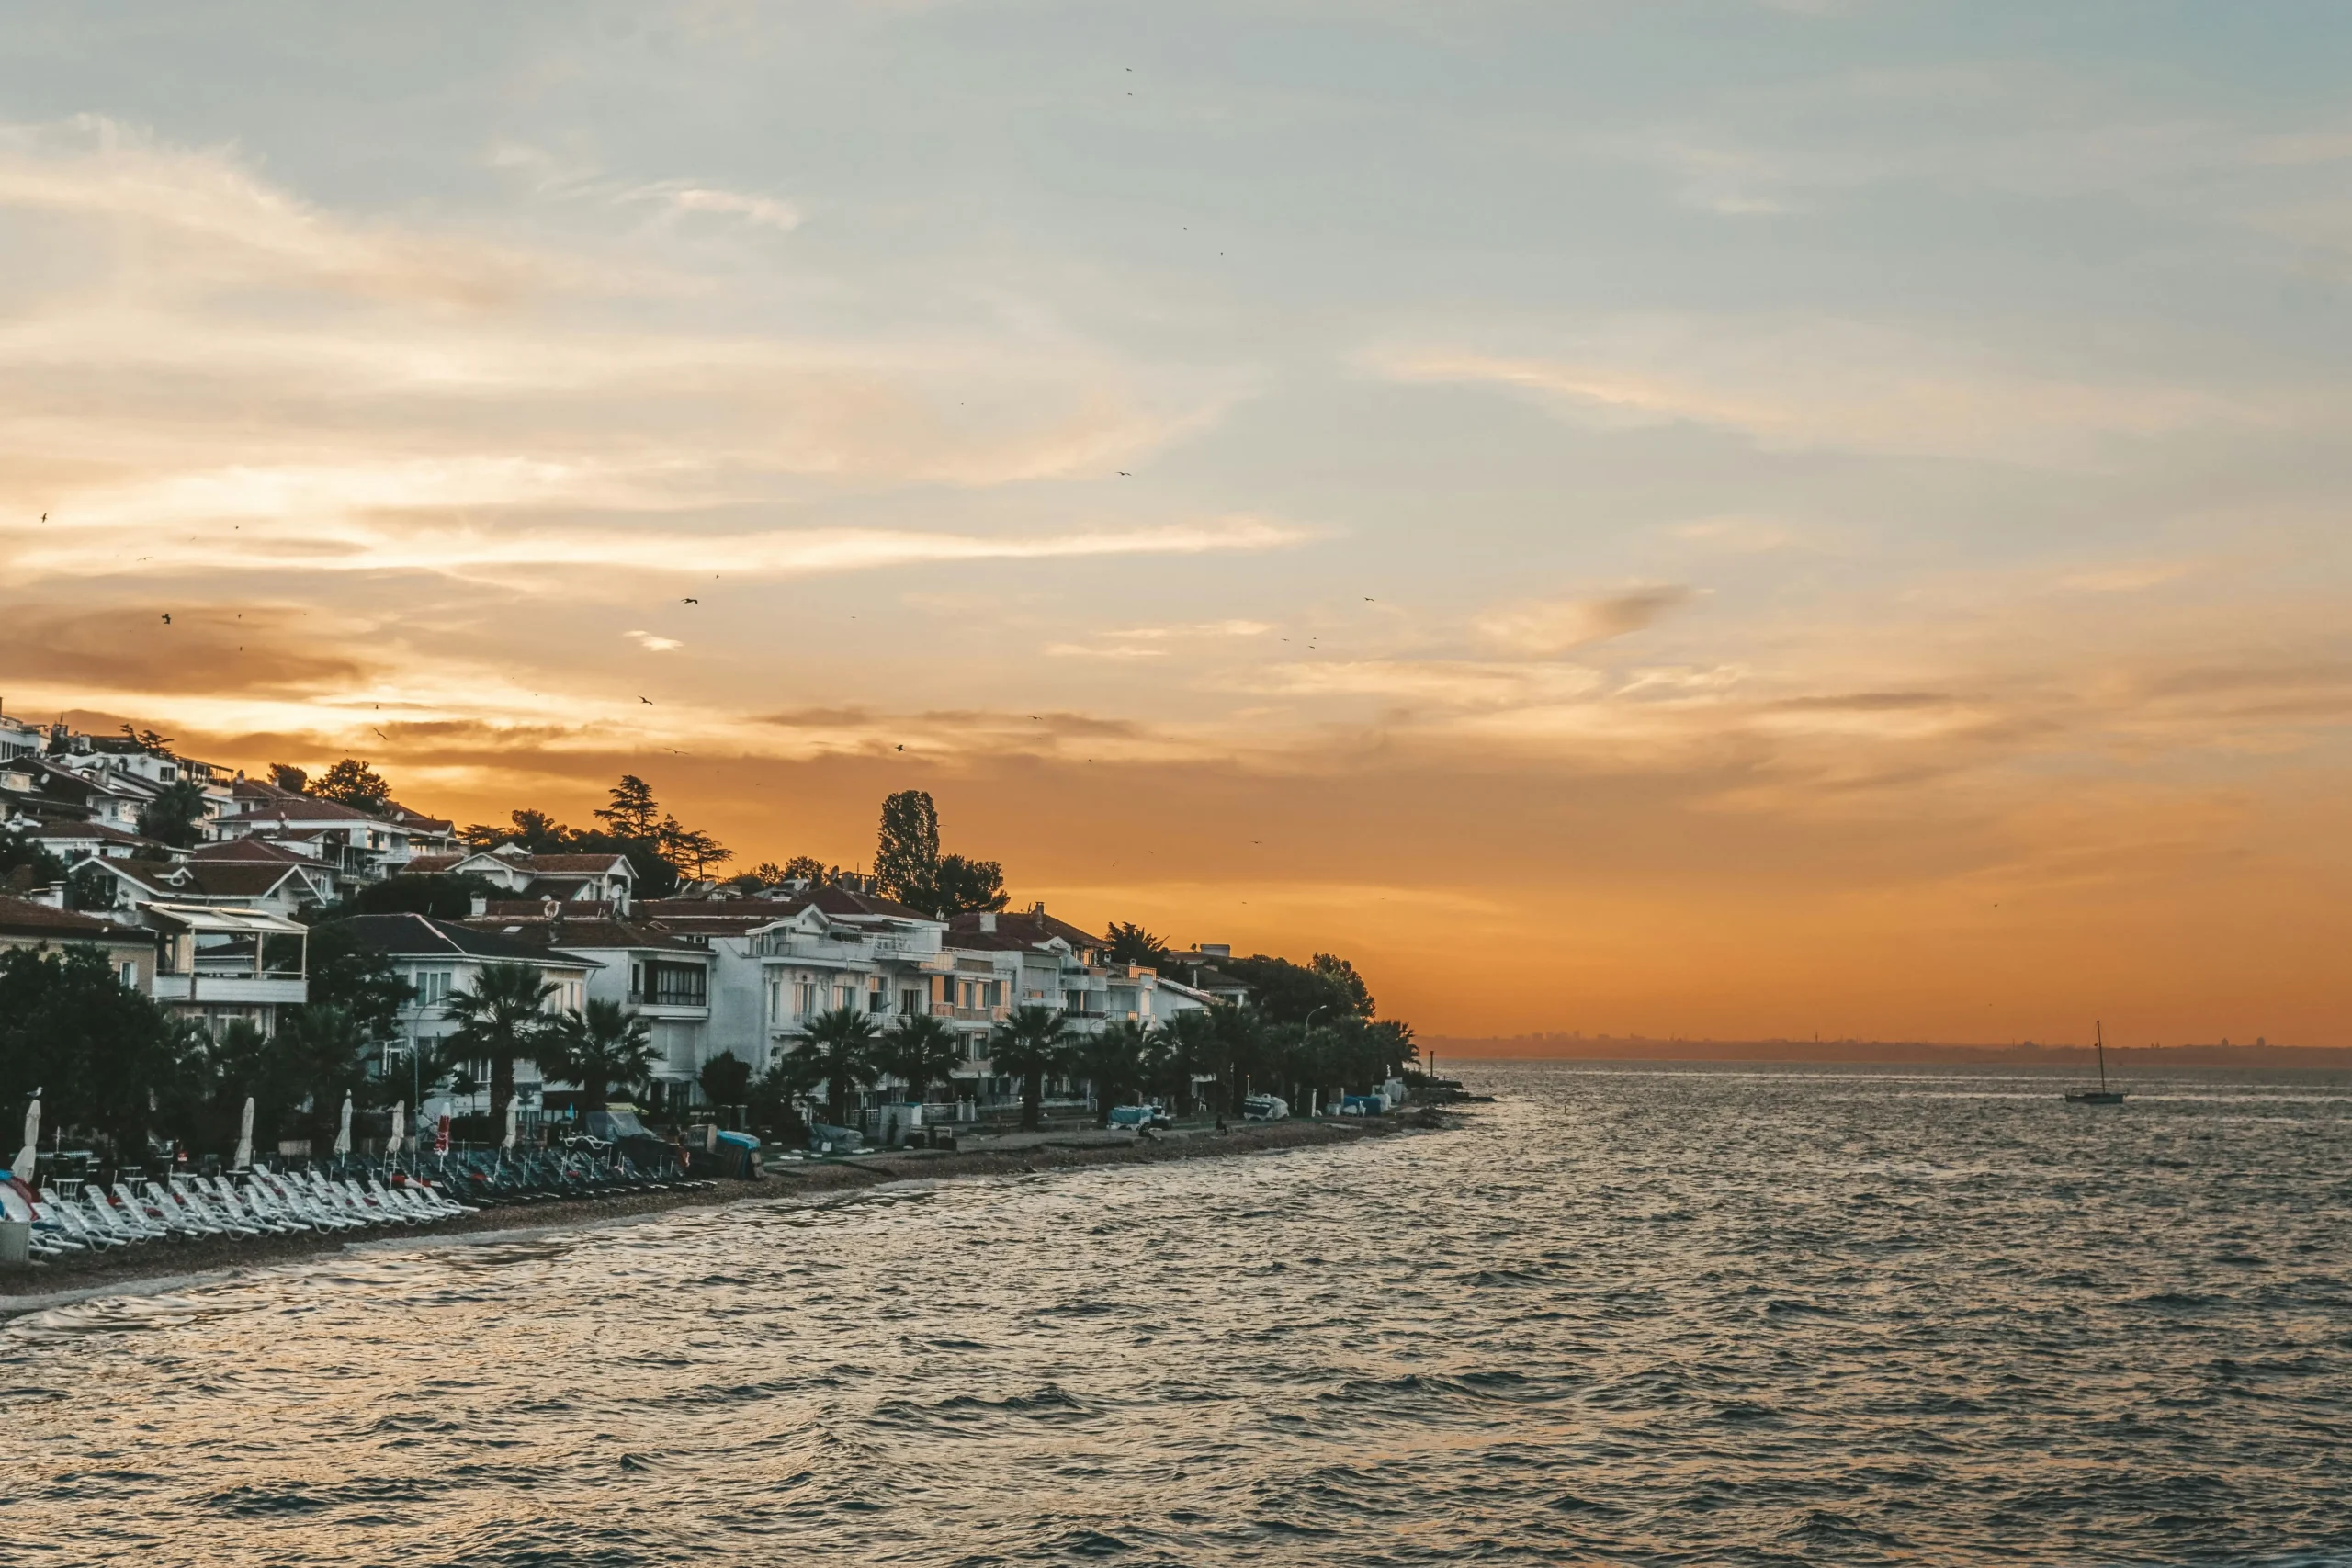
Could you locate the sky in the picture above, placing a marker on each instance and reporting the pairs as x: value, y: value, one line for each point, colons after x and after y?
x: 1695, y: 519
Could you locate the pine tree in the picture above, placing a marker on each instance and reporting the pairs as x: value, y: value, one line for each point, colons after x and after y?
x: 633, y: 814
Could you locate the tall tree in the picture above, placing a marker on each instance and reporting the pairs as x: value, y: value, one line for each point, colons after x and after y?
x: 354, y: 783
x: 683, y: 846
x: 1191, y: 1050
x: 149, y: 741
x: 598, y: 1047
x: 287, y: 776
x: 345, y: 974
x: 906, y: 855
x: 964, y: 886
x: 175, y: 814
x: 840, y: 1052
x: 919, y: 1051
x: 101, y: 1053
x: 502, y: 1019
x: 1031, y: 1044
x: 1130, y: 943
x: 1343, y: 977
x: 634, y: 813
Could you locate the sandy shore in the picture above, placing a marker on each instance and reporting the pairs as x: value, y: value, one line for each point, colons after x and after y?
x: 193, y: 1259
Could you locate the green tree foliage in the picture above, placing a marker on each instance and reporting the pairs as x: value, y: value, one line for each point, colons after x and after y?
x: 501, y: 1020
x: 1031, y: 1044
x: 810, y: 869
x: 1130, y: 943
x: 919, y: 1051
x: 908, y: 867
x: 906, y: 853
x: 967, y: 886
x: 840, y: 1053
x: 354, y: 783
x: 100, y: 1053
x: 91, y: 890
x: 599, y: 1047
x: 1187, y: 1046
x: 319, y: 1054
x: 683, y: 847
x: 1292, y: 993
x: 363, y: 984
x: 25, y: 864
x: 287, y: 776
x: 444, y: 896
x: 1113, y: 1065
x: 174, y: 816
x: 724, y: 1078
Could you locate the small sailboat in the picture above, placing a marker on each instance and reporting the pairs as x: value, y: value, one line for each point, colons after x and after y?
x: 2101, y: 1095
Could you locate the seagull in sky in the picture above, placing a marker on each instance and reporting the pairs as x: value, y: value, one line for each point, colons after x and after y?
x: 693, y: 601
x: 167, y: 617
x: 647, y: 701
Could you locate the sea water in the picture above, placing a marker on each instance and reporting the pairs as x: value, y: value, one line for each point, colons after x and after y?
x: 1626, y: 1314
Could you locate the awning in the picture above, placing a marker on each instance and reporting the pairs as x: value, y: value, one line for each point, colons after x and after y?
x: 235, y: 922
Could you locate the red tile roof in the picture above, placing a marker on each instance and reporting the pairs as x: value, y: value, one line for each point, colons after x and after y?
x: 23, y: 917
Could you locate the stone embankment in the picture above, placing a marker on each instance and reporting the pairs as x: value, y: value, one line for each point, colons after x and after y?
x: 192, y: 1259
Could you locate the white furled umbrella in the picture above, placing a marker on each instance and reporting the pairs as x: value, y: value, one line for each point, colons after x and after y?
x: 510, y: 1126
x: 31, y: 1151
x: 392, y: 1145
x: 245, y: 1138
x: 343, y: 1138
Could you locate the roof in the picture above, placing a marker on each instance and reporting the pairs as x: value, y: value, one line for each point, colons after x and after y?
x: 1032, y: 926
x: 593, y: 931
x: 418, y: 820
x: 421, y: 936
x: 297, y: 809
x: 260, y: 851
x: 23, y: 917
x: 536, y: 908
x: 98, y: 831
x: 205, y: 879
x: 591, y: 863
x: 429, y: 866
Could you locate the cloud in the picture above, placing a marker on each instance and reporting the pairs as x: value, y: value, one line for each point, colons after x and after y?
x: 1545, y: 628
x: 289, y: 539
x: 1833, y: 385
x: 653, y: 644
x: 761, y: 211
x: 216, y: 222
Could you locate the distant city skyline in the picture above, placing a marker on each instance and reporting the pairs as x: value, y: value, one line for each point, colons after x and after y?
x: 1734, y: 519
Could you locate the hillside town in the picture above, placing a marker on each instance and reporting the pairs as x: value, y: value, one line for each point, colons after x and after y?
x: 255, y: 910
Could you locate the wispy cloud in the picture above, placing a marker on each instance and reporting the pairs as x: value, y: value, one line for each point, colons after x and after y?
x: 653, y: 644
x: 1834, y: 384
x: 1548, y: 627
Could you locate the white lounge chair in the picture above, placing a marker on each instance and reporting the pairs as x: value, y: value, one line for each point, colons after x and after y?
x: 191, y: 1210
x: 106, y: 1220
x: 70, y: 1216
x: 145, y: 1217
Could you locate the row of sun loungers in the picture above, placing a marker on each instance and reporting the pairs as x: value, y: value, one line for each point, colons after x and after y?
x: 266, y: 1202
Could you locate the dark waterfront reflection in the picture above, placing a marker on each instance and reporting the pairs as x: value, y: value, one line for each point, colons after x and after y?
x: 1631, y: 1315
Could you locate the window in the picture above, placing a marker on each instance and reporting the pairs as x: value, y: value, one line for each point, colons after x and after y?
x: 432, y: 988
x: 128, y: 973
x: 911, y: 1001
x: 805, y: 999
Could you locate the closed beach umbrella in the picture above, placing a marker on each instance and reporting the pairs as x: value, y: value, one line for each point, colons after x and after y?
x: 245, y: 1138
x: 400, y: 1106
x: 343, y: 1138
x: 510, y: 1126
x: 24, y: 1166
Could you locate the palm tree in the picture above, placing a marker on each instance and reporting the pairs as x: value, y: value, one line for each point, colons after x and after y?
x: 1241, y: 1031
x: 1112, y: 1062
x: 596, y: 1047
x: 840, y: 1052
x: 1031, y: 1042
x: 1193, y: 1047
x: 501, y: 1017
x: 920, y: 1050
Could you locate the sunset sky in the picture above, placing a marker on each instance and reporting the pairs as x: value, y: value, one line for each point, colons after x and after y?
x: 1720, y: 519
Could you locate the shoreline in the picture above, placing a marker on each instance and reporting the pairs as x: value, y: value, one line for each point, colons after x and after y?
x: 189, y: 1261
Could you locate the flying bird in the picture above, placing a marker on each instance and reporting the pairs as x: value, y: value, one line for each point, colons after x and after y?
x: 901, y: 747
x: 647, y: 701
x: 1125, y: 475
x: 167, y: 617
x: 694, y: 601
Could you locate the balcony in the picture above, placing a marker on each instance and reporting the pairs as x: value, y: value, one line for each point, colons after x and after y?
x: 291, y: 990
